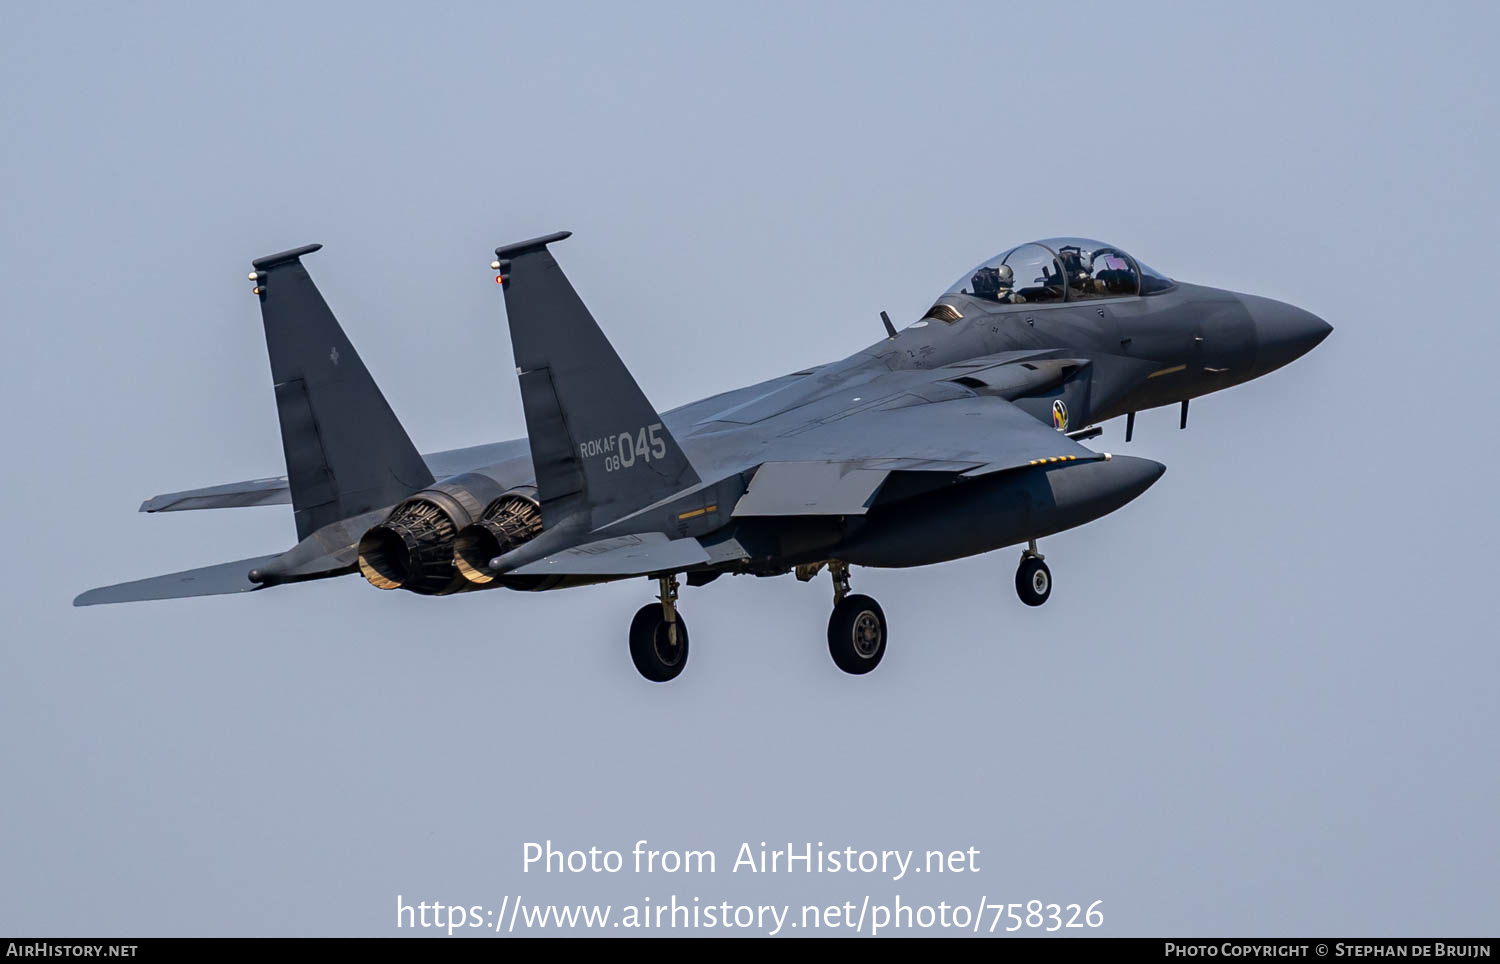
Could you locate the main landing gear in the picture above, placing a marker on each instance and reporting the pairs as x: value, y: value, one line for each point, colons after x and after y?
x: 1033, y: 578
x: 659, y: 636
x: 857, y: 629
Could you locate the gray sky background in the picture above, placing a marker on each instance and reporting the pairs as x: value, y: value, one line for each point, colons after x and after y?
x: 1260, y: 701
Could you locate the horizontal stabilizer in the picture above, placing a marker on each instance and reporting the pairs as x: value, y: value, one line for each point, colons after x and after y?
x: 226, y: 577
x: 275, y: 491
x: 231, y: 496
x: 632, y: 555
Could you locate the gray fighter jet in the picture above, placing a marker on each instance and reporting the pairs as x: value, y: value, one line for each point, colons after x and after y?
x: 957, y: 435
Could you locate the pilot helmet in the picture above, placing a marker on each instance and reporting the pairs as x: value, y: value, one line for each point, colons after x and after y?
x: 989, y: 282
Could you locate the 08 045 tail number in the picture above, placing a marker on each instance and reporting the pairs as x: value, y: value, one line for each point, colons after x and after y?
x: 623, y: 450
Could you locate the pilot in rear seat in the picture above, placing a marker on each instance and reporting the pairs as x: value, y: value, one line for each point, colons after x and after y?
x: 1080, y: 273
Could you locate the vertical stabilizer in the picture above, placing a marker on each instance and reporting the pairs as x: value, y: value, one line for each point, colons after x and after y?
x: 346, y: 453
x: 598, y: 446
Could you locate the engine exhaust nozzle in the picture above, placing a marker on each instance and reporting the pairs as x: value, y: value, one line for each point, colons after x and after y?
x: 413, y: 548
x: 510, y: 520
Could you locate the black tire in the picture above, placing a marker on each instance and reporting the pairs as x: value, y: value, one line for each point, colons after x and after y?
x: 1033, y: 581
x: 856, y: 634
x: 650, y: 647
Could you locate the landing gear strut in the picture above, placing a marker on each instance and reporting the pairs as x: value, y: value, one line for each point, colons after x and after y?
x: 857, y: 628
x: 1033, y: 578
x: 659, y: 636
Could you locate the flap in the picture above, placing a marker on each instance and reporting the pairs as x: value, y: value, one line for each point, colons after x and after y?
x: 810, y: 488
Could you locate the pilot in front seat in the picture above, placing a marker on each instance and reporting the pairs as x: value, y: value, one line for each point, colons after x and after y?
x: 996, y: 284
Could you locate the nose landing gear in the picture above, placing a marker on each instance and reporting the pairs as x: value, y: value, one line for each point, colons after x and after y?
x: 1033, y: 578
x: 659, y: 636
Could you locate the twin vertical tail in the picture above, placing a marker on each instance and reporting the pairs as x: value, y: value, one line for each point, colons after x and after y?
x: 599, y: 449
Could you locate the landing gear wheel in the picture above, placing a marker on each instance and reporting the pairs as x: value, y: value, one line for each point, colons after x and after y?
x: 856, y: 634
x: 652, y: 649
x: 1033, y: 581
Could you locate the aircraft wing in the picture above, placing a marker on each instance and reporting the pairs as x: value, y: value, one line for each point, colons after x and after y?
x: 855, y: 454
x: 973, y: 436
x: 838, y: 469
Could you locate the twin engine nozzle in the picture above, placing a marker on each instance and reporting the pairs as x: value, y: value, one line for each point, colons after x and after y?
x: 442, y: 539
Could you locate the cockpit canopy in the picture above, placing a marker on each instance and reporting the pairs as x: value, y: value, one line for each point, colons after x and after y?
x: 1059, y: 269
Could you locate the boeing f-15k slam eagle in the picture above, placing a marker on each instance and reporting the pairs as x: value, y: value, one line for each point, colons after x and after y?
x: 954, y: 436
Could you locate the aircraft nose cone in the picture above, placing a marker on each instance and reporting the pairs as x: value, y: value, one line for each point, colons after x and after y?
x: 1283, y: 332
